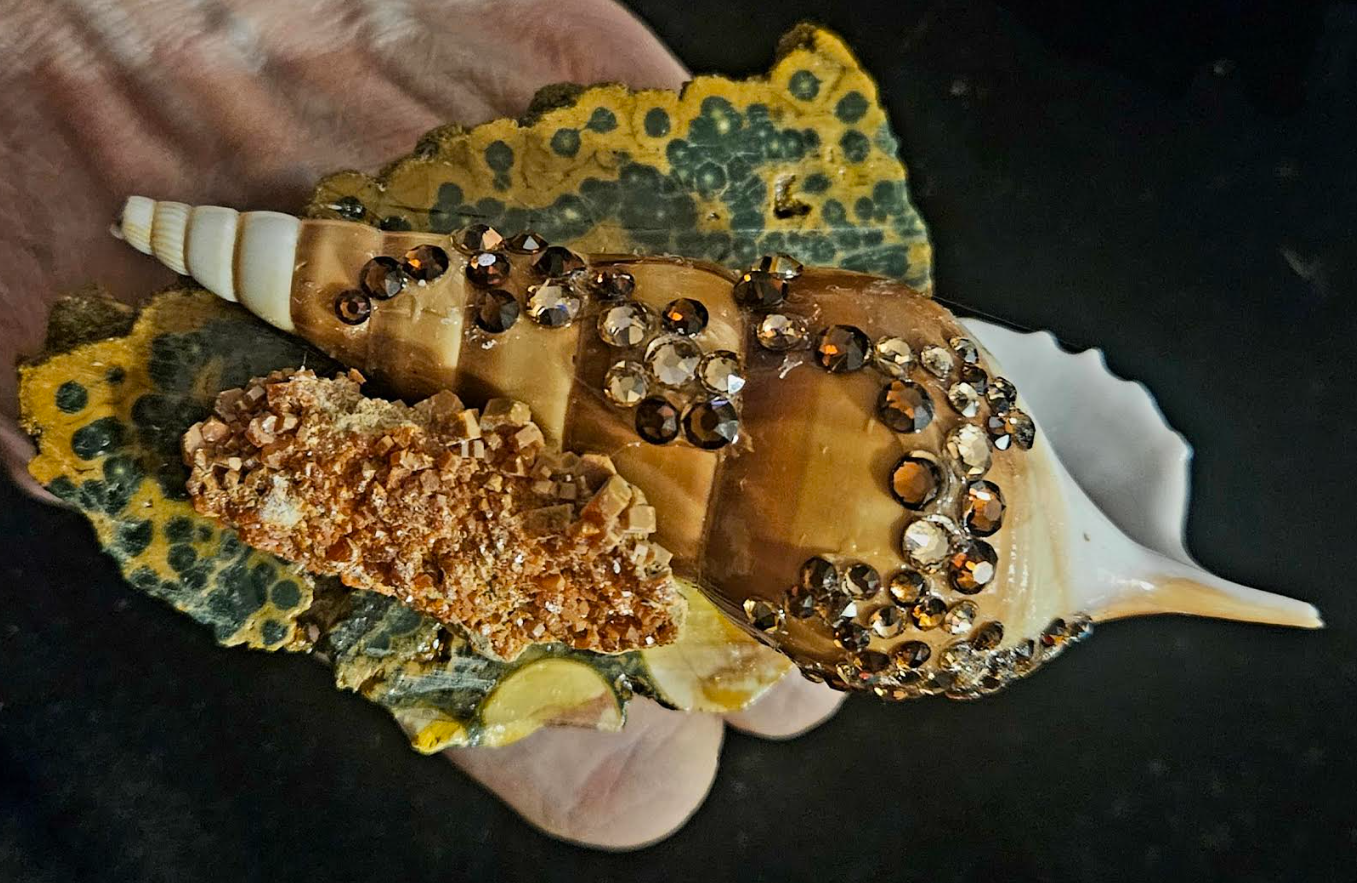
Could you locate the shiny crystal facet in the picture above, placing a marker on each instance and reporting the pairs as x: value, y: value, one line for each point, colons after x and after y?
x: 625, y: 325
x: 712, y: 424
x: 971, y: 566
x: 861, y: 581
x: 425, y: 263
x: 657, y: 420
x: 915, y: 482
x: 496, y: 311
x: 783, y: 266
x: 851, y: 636
x: 720, y: 372
x: 982, y: 508
x: 779, y: 332
x: 819, y: 575
x: 626, y: 384
x: 684, y: 316
x: 970, y: 449
x: 906, y: 586
x: 976, y: 377
x: 673, y: 360
x: 888, y: 622
x: 799, y: 603
x: 757, y: 290
x: 552, y: 305
x: 964, y: 399
x: 841, y: 349
x: 477, y: 238
x: 607, y: 283
x: 911, y: 654
x: 988, y: 636
x: 1001, y: 394
x: 526, y: 242
x: 556, y: 261
x: 382, y: 278
x: 928, y: 612
x: 960, y: 618
x: 926, y: 541
x: 871, y: 662
x: 1021, y: 427
x: 353, y: 307
x: 965, y: 350
x: 488, y: 269
x: 904, y: 406
x: 892, y: 356
x: 937, y: 360
x: 761, y: 615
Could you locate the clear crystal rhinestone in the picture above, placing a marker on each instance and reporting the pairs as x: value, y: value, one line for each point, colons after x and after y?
x: 758, y: 290
x: 762, y: 615
x: 841, y: 349
x: 904, y: 406
x: 911, y: 654
x: 861, y: 581
x: 892, y: 356
x: 971, y: 566
x: 684, y: 316
x: 926, y: 541
x: 552, y: 304
x: 626, y: 384
x: 1001, y: 394
x: 673, y: 360
x: 982, y: 508
x: 711, y: 425
x: 960, y: 617
x: 988, y: 636
x: 888, y: 622
x: 720, y: 372
x: 969, y: 447
x: 937, y: 360
x: 906, y: 586
x: 779, y: 332
x: 783, y: 266
x: 964, y: 399
x: 965, y: 350
x: 915, y: 481
x: 928, y: 612
x: 625, y: 325
x: 960, y: 659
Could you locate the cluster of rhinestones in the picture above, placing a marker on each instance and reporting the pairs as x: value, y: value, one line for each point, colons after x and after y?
x: 552, y: 300
x: 384, y: 277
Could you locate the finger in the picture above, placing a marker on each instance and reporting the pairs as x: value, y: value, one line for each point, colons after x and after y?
x: 609, y: 790
x: 790, y: 707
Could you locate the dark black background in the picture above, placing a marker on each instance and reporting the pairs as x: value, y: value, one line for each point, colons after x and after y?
x: 1173, y: 182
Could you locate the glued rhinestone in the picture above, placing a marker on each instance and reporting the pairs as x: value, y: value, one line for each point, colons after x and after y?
x: 928, y: 612
x: 969, y: 447
x: 958, y: 656
x: 871, y: 662
x: 965, y: 350
x: 552, y: 305
x: 762, y: 615
x: 799, y: 603
x: 657, y: 420
x: 757, y: 290
x: 861, y: 581
x: 926, y: 541
x: 712, y: 425
x: 937, y: 360
x: 915, y: 482
x: 720, y: 372
x: 555, y: 261
x: 673, y: 360
x: 982, y: 510
x: 779, y: 332
x: 353, y: 307
x: 836, y: 607
x: 907, y: 586
x: 382, y: 278
x: 1021, y: 427
x: 607, y: 283
x: 842, y: 348
x: 904, y: 406
x: 851, y: 636
x: 971, y: 566
x: 976, y: 377
x: 626, y: 384
x: 988, y: 636
x: 892, y: 356
x: 964, y: 399
x: 488, y: 269
x: 496, y: 311
x: 425, y: 263
x: 526, y: 242
x: 960, y: 618
x: 1001, y: 394
x: 476, y: 238
x: 888, y: 622
x: 911, y: 654
x: 624, y: 325
x: 819, y: 576
x: 782, y: 266
x: 1055, y: 634
x: 684, y: 316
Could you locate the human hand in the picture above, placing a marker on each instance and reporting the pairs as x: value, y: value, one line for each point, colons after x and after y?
x: 247, y: 103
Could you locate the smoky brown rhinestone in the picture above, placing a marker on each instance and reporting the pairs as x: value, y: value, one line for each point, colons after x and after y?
x: 556, y: 261
x: 758, y: 290
x: 928, y: 612
x: 488, y: 269
x: 425, y: 263
x: 780, y: 332
x: 906, y: 586
x: 477, y: 238
x: 915, y: 482
x: 819, y: 575
x: 976, y: 377
x: 888, y: 621
x: 496, y: 311
x: 971, y: 566
x: 711, y: 425
x: 609, y: 283
x: 526, y: 242
x: 684, y: 316
x: 783, y: 266
x: 861, y: 581
x: 982, y: 510
x: 1001, y: 394
x: 841, y: 349
x: 353, y: 307
x: 799, y: 603
x: 657, y: 420
x: 382, y: 278
x: 965, y: 350
x: 912, y: 654
x: 904, y: 406
x: 988, y: 636
x: 1023, y: 430
x: 871, y: 662
x: 761, y: 615
x: 851, y: 636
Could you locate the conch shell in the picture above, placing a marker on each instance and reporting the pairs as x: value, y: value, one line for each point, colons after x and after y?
x: 835, y: 462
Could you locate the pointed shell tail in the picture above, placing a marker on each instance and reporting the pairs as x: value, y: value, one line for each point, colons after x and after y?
x: 1193, y: 592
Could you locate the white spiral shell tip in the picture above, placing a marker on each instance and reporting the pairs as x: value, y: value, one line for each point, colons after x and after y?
x: 137, y: 221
